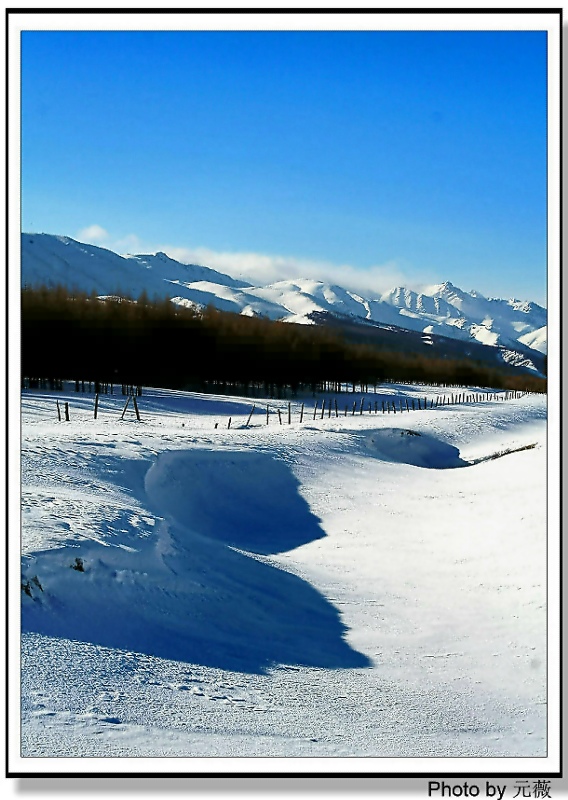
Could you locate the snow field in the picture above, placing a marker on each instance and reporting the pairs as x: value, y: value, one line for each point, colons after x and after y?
x: 351, y: 586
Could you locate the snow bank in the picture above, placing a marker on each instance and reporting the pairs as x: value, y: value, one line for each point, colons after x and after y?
x: 246, y: 499
x: 183, y: 593
x: 407, y: 446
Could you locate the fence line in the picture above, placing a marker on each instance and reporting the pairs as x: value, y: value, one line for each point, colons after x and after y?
x: 389, y: 406
x: 331, y: 405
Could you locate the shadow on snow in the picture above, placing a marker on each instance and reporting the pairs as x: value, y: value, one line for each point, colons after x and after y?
x: 185, y: 593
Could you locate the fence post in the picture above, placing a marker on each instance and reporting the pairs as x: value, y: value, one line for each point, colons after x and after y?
x: 125, y: 407
x: 302, y: 413
x: 280, y: 416
x: 336, y: 409
x: 229, y: 425
x: 267, y: 413
x: 315, y: 409
x: 249, y: 417
x: 136, y: 408
x: 58, y: 411
x: 289, y: 414
x: 322, y: 408
x: 354, y: 407
x: 66, y: 412
x: 96, y: 404
x: 361, y: 409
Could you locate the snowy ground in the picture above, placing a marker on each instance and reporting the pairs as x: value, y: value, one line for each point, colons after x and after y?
x: 355, y: 586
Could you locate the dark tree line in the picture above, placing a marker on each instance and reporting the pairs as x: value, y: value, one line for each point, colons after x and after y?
x: 76, y: 336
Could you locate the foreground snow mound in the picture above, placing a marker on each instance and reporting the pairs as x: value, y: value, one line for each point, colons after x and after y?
x: 246, y: 499
x: 411, y: 447
x: 182, y: 593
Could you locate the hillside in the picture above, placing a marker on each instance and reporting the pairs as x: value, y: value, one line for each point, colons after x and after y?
x: 442, y: 309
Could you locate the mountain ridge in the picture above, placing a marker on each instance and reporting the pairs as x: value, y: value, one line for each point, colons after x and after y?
x: 443, y: 309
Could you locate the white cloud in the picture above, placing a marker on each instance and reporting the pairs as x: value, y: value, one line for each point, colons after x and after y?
x: 130, y: 244
x: 262, y: 269
x: 93, y: 234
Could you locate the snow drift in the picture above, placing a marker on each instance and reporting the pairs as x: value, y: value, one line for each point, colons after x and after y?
x: 412, y: 447
x: 182, y: 593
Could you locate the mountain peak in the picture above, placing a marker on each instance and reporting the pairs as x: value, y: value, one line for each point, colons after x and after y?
x: 448, y: 286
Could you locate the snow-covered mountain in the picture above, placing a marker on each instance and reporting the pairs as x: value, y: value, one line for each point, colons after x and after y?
x: 469, y: 315
x: 442, y: 309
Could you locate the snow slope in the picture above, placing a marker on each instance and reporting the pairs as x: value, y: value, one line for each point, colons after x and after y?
x: 537, y: 340
x: 61, y: 260
x: 454, y: 312
x: 444, y: 309
x: 363, y: 585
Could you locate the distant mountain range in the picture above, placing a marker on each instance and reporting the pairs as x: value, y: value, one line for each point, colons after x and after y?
x: 516, y: 328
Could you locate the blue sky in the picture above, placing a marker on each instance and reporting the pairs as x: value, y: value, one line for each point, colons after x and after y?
x: 373, y: 157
